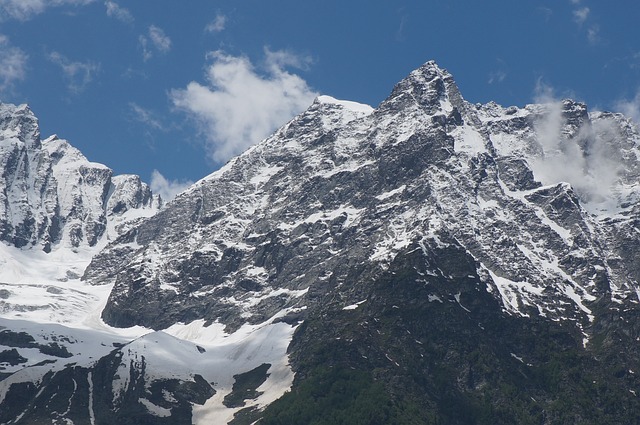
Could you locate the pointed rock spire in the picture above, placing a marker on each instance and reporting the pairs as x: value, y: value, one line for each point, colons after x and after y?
x: 429, y: 86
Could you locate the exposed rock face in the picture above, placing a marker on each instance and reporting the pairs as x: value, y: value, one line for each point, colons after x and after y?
x: 342, y: 188
x: 52, y: 195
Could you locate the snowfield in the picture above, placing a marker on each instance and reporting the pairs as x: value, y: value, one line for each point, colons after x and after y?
x: 68, y: 314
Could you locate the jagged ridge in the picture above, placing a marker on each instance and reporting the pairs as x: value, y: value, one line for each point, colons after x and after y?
x: 51, y: 194
x: 338, y: 186
x: 433, y: 246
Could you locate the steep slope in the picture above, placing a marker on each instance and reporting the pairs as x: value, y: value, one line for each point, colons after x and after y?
x: 338, y: 188
x: 439, y: 262
x: 52, y: 196
x: 57, y: 210
x: 53, y: 200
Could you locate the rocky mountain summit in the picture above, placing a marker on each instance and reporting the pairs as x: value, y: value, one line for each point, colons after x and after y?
x: 342, y: 187
x: 52, y: 194
x: 427, y: 261
x: 53, y: 199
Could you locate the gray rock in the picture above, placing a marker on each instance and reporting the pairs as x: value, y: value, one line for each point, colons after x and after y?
x: 50, y: 194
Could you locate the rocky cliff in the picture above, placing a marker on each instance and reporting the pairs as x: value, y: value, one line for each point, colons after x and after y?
x: 53, y: 199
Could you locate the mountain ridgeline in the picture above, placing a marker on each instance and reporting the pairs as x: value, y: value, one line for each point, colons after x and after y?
x: 50, y: 194
x: 429, y: 261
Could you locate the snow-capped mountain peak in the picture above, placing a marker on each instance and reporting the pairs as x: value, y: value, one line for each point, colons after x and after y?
x: 439, y: 252
x: 53, y: 199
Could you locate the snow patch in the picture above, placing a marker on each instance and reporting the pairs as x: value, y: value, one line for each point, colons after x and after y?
x: 231, y: 354
x: 359, y: 108
x: 353, y: 306
x: 468, y: 140
x: 391, y: 193
x: 155, y: 410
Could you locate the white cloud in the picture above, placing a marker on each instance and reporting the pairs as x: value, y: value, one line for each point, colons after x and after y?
x: 159, y: 39
x: 497, y: 77
x: 630, y: 108
x: 573, y: 155
x: 155, y: 40
x: 78, y: 74
x: 218, y: 24
x: 239, y: 105
x: 114, y: 10
x: 593, y: 34
x: 25, y: 9
x: 499, y: 74
x: 13, y: 64
x: 580, y: 15
x: 167, y: 189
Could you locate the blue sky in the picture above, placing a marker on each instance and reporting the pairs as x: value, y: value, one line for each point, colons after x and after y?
x: 170, y: 90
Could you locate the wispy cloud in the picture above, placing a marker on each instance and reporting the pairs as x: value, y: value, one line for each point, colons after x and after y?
x: 24, y: 10
x: 581, y: 14
x: 573, y: 154
x: 114, y: 10
x: 166, y: 188
x: 78, y: 74
x: 155, y: 41
x: 630, y: 108
x: 277, y: 60
x: 13, y: 64
x: 583, y: 17
x: 240, y: 104
x: 159, y: 39
x: 546, y: 12
x: 146, y: 117
x: 499, y: 73
x: 217, y: 25
x: 403, y: 21
x: 631, y: 61
x: 593, y: 34
x: 496, y: 76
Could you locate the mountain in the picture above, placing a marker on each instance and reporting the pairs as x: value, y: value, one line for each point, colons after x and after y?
x: 53, y: 200
x: 427, y: 261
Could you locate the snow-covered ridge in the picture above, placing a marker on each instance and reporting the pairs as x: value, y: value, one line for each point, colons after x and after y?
x: 55, y: 201
x: 349, y: 105
x: 424, y: 164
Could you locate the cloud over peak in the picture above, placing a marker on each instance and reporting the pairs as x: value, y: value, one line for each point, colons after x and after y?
x: 167, y: 189
x: 574, y: 155
x: 240, y: 104
x: 630, y: 108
